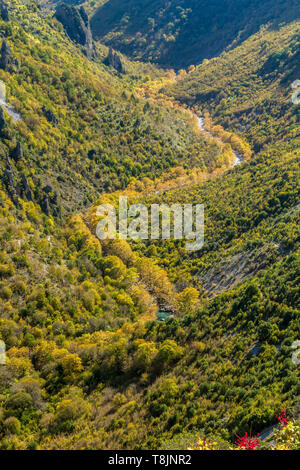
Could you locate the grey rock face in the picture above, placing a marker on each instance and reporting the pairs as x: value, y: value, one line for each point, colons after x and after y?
x: 9, y: 178
x: 10, y: 184
x: 26, y: 189
x: 76, y: 24
x: 17, y: 153
x: 2, y: 120
x: 84, y: 16
x: 4, y: 11
x: 7, y: 61
x: 45, y: 205
x: 114, y: 60
x: 50, y: 201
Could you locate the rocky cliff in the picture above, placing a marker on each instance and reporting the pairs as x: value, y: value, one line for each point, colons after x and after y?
x: 7, y: 60
x: 4, y: 14
x: 76, y: 24
x: 114, y: 60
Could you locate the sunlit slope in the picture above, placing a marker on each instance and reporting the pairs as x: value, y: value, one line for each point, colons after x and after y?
x: 100, y: 134
x: 249, y: 89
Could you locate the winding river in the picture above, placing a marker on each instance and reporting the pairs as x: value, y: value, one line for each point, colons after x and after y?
x: 238, y: 157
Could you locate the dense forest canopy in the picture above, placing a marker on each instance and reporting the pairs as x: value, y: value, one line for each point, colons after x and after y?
x: 179, y: 33
x: 142, y: 344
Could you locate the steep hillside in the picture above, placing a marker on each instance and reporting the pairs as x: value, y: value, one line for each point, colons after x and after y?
x: 183, y: 32
x: 88, y: 365
x: 89, y: 362
x: 249, y: 89
x: 82, y: 129
x: 229, y: 360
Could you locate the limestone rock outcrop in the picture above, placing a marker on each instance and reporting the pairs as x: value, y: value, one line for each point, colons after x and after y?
x: 25, y: 188
x: 114, y: 60
x: 4, y: 11
x: 17, y: 153
x: 76, y: 24
x: 7, y: 60
x: 10, y: 183
x: 50, y: 201
x: 2, y: 120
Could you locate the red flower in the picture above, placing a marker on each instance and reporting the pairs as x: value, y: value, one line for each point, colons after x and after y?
x: 282, y: 418
x: 248, y: 443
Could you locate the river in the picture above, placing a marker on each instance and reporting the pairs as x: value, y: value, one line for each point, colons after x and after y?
x: 238, y: 157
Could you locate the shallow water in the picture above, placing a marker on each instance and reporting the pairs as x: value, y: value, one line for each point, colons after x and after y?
x: 238, y: 157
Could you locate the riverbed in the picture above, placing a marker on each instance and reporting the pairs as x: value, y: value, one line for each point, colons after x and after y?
x: 238, y: 157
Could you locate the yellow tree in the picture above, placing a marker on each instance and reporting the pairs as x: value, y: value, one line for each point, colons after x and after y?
x: 187, y: 301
